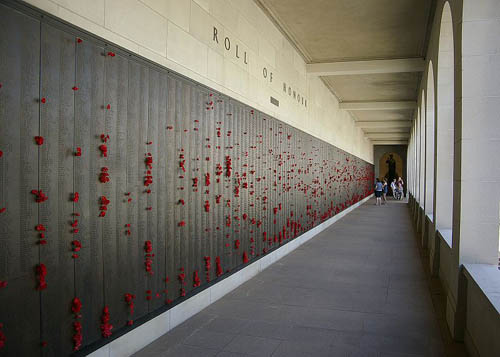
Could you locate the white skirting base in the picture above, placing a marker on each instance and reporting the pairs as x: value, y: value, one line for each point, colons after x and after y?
x: 143, y: 335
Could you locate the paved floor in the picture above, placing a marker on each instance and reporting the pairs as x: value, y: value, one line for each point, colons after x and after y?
x: 357, y: 289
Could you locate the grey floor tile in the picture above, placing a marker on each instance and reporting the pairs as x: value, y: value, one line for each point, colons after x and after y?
x: 190, y: 351
x: 267, y: 329
x: 226, y: 325
x: 311, y: 334
x: 230, y: 354
x: 254, y: 346
x: 209, y: 339
x: 396, y: 344
x: 296, y: 348
x: 351, y: 291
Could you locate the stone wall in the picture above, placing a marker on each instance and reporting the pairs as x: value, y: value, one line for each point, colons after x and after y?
x: 179, y: 34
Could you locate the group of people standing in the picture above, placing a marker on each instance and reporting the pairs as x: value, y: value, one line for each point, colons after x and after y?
x: 382, y: 188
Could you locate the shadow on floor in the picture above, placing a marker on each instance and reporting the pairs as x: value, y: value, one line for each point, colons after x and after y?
x: 357, y: 289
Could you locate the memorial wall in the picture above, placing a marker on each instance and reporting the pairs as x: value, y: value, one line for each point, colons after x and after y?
x: 126, y: 188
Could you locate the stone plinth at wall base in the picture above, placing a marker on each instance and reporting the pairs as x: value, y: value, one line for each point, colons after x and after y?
x: 433, y: 246
x: 143, y: 335
x: 482, y: 316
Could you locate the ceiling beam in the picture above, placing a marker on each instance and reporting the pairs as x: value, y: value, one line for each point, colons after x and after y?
x: 408, y: 104
x: 384, y: 124
x: 389, y: 142
x: 366, y: 67
x: 395, y: 136
x: 386, y: 130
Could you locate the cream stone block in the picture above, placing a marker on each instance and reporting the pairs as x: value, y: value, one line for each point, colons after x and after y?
x: 255, y: 89
x: 481, y: 75
x: 177, y: 11
x: 481, y: 118
x: 299, y: 63
x: 267, y: 260
x: 44, y: 5
x: 155, y: 57
x: 100, y: 31
x: 285, y: 66
x: 225, y: 13
x: 235, y: 78
x: 482, y: 204
x: 235, y: 49
x: 202, y: 27
x: 479, y: 167
x: 215, y: 70
x: 479, y: 243
x: 160, y: 6
x: 249, y: 10
x: 204, y: 4
x: 101, y: 352
x: 269, y: 31
x: 189, y: 308
x: 481, y: 10
x: 248, y: 33
x: 137, y: 22
x: 248, y: 272
x: 186, y: 50
x: 223, y: 287
x: 92, y: 10
x: 287, y: 50
x: 254, y: 65
x: 140, y: 337
x: 481, y: 37
x: 267, y: 51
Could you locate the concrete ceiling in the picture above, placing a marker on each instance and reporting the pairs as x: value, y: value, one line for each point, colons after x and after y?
x: 365, y: 51
x: 378, y: 87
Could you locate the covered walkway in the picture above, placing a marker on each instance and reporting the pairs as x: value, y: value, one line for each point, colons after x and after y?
x: 357, y: 289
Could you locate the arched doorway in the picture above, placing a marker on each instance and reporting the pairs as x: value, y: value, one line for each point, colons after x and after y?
x: 429, y: 143
x: 445, y: 123
x: 390, y: 167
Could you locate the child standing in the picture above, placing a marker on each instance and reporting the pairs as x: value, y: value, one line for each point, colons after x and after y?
x: 378, y: 192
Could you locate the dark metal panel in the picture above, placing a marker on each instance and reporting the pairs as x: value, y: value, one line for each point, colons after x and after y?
x: 208, y: 245
x: 19, y: 124
x: 151, y: 192
x: 113, y: 223
x: 141, y: 302
x: 181, y: 184
x: 172, y: 163
x: 191, y: 186
x: 161, y: 187
x: 244, y: 204
x: 197, y: 190
x: 121, y: 162
x: 89, y: 124
x: 217, y: 116
x: 227, y: 196
x: 56, y: 177
x: 135, y: 254
x: 236, y: 248
x: 174, y: 119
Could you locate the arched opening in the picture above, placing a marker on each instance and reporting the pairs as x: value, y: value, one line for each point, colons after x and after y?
x: 422, y: 151
x: 445, y: 124
x: 417, y: 157
x: 429, y: 144
x: 391, y: 167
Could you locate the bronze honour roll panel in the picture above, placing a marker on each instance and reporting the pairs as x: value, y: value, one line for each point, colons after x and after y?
x: 126, y: 188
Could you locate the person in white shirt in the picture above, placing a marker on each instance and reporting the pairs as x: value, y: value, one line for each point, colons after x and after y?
x: 394, y: 189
